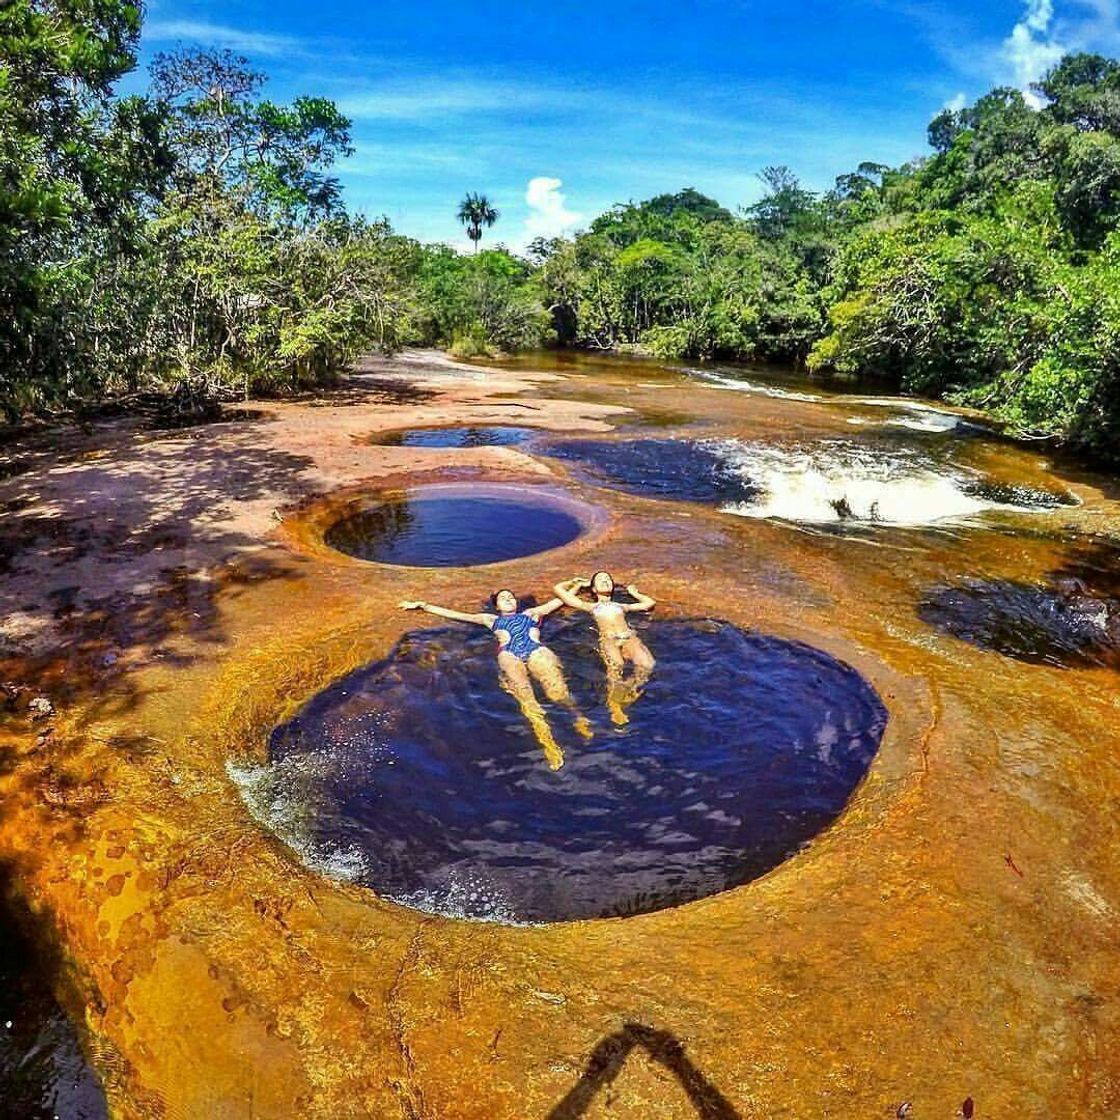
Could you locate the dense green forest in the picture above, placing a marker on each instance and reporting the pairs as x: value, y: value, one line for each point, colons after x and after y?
x: 191, y: 244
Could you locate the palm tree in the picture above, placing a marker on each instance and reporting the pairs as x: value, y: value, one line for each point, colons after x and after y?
x: 475, y: 211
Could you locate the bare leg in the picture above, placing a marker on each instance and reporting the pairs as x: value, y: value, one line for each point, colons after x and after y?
x: 513, y: 674
x: 546, y: 667
x: 633, y: 650
x: 616, y: 693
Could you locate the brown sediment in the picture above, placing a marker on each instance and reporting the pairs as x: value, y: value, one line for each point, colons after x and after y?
x: 171, y: 596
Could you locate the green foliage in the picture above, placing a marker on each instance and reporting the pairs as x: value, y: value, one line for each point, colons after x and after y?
x: 990, y: 273
x: 194, y: 242
x: 74, y: 166
x: 478, y: 305
x: 190, y: 242
x: 682, y: 277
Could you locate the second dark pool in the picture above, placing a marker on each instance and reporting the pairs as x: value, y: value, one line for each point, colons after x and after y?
x: 444, y: 529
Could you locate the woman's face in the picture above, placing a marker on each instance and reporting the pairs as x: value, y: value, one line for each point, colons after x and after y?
x: 505, y: 602
x: 602, y: 584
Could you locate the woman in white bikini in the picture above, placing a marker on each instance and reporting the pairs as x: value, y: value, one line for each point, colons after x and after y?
x: 617, y: 642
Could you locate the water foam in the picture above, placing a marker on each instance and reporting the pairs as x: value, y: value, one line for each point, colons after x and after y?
x: 921, y: 417
x: 742, y: 385
x: 463, y: 895
x: 279, y: 797
x: 835, y: 481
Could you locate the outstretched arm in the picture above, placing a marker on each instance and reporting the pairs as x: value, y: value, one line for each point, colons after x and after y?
x: 543, y: 610
x: 566, y: 593
x: 486, y: 620
x: 641, y: 602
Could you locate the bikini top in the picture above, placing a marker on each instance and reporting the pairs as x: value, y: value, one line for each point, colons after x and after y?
x: 607, y: 605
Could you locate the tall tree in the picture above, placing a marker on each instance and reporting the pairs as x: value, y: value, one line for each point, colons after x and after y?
x: 273, y: 159
x: 73, y: 164
x: 476, y: 211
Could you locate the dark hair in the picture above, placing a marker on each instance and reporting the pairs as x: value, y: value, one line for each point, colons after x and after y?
x: 494, y: 597
x: 601, y: 572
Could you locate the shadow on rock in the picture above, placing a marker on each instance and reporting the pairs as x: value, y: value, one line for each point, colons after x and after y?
x: 42, y: 1068
x: 609, y: 1057
x: 105, y: 559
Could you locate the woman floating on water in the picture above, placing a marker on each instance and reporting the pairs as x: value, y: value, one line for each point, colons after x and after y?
x: 617, y: 642
x: 521, y: 657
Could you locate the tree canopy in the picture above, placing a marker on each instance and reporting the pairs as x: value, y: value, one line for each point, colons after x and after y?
x: 476, y: 211
x: 194, y: 242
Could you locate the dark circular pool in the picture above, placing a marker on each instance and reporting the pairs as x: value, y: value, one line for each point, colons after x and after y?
x: 452, y: 529
x: 494, y: 435
x: 678, y: 469
x: 1070, y: 618
x: 418, y: 776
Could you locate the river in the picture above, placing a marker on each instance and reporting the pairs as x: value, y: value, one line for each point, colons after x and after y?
x: 949, y: 935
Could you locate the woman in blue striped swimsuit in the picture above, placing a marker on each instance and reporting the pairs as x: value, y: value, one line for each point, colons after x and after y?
x: 521, y: 658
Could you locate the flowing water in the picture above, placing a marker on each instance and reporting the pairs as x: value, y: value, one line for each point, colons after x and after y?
x: 842, y: 481
x: 826, y: 482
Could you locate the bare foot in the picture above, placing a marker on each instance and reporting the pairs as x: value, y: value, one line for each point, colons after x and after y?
x: 554, y: 756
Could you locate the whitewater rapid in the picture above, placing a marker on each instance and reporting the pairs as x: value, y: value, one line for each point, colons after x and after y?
x: 835, y: 481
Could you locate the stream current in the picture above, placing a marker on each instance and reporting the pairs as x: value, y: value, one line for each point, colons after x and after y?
x: 417, y: 777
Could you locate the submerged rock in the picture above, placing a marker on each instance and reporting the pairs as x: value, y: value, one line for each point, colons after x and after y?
x: 1056, y: 624
x: 40, y: 708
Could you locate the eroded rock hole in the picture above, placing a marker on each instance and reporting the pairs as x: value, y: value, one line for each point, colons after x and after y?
x: 418, y: 777
x: 438, y: 530
x: 494, y: 435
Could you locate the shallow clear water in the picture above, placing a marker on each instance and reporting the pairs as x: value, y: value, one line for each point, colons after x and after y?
x: 435, y: 531
x: 418, y: 776
x: 43, y: 1073
x: 496, y: 435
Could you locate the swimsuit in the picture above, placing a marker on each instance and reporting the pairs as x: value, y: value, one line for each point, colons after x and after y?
x: 600, y: 608
x: 520, y: 629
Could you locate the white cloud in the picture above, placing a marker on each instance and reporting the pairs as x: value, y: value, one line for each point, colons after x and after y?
x: 1033, y: 46
x: 957, y: 103
x: 1040, y: 14
x: 549, y: 215
x: 203, y: 33
x: 1100, y: 31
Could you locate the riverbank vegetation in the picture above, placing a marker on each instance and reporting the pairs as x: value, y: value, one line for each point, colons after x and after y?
x: 192, y: 243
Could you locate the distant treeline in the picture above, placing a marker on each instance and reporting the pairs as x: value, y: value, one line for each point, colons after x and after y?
x: 191, y: 244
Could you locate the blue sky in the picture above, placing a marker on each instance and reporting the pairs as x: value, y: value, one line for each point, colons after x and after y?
x: 556, y: 111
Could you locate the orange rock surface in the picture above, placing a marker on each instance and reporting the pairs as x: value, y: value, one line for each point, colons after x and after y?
x: 953, y: 935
